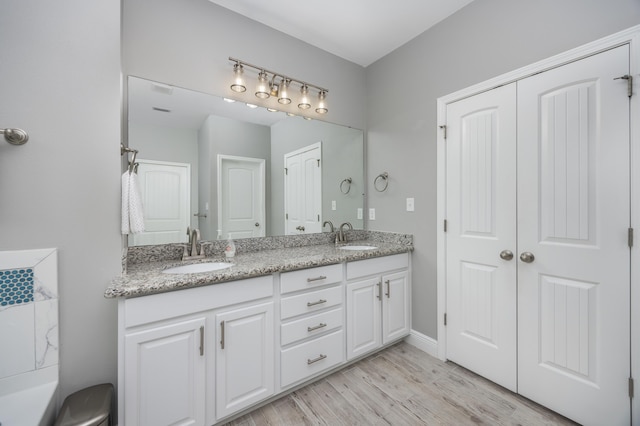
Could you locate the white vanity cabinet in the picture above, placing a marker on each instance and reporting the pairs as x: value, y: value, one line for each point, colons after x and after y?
x: 311, y: 330
x: 165, y: 380
x: 172, y: 365
x: 377, y: 303
x: 244, y: 357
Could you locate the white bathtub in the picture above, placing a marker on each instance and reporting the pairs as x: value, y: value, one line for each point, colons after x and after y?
x: 29, y: 399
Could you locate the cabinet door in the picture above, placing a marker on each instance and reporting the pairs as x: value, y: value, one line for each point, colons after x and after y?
x: 165, y: 375
x: 395, y: 306
x: 244, y: 357
x: 363, y: 317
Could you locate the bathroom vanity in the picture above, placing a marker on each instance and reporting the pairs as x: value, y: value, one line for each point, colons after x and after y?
x: 201, y: 348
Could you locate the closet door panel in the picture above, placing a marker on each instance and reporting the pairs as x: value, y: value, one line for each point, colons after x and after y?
x: 481, y: 190
x: 573, y: 216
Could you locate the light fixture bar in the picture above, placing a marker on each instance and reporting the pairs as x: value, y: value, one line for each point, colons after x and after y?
x: 274, y: 73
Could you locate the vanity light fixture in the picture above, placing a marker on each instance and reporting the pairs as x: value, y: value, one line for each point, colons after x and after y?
x: 269, y: 87
x: 238, y: 84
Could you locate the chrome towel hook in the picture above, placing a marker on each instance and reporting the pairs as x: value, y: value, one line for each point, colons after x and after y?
x: 385, y: 178
x: 15, y: 136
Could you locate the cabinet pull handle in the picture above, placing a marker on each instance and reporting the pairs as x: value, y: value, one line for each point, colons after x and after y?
x: 201, y: 340
x: 321, y: 325
x: 321, y: 277
x: 320, y: 358
x: 379, y: 284
x: 388, y: 293
x: 319, y: 302
x: 221, y: 334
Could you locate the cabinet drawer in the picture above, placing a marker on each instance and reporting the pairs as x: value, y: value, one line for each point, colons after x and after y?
x: 310, y: 302
x: 306, y: 279
x: 310, y: 358
x: 310, y: 326
x: 378, y: 265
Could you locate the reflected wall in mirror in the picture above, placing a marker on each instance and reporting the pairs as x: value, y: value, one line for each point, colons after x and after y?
x: 220, y: 166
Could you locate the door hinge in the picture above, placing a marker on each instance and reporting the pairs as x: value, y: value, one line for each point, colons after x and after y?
x: 318, y: 162
x: 629, y: 79
x: 631, y: 387
x: 286, y: 171
x: 444, y: 131
x: 630, y: 237
x: 318, y: 218
x: 445, y: 225
x: 445, y: 318
x: 286, y: 216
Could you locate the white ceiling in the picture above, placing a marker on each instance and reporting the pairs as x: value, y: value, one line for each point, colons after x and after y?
x: 361, y: 31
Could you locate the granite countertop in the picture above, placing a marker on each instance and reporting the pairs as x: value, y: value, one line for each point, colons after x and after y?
x: 147, y: 278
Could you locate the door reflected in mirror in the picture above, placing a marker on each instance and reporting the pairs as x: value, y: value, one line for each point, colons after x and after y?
x: 221, y: 167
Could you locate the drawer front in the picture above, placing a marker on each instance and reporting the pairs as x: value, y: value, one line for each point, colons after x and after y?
x: 310, y: 302
x: 310, y: 326
x: 310, y: 358
x: 306, y: 279
x: 378, y: 265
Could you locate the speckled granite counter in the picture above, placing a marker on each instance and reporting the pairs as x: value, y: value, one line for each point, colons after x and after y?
x: 144, y: 278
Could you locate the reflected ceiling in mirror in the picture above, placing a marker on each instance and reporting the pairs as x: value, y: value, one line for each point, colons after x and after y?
x: 221, y: 167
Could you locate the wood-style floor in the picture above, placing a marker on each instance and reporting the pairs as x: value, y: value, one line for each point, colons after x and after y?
x: 402, y: 386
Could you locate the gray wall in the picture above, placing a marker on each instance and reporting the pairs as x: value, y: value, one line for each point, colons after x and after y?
x: 342, y: 156
x: 169, y: 144
x: 61, y: 82
x: 231, y: 137
x: 187, y: 43
x: 485, y: 39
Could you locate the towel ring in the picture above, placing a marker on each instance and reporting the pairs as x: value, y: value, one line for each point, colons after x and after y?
x: 348, y: 181
x: 385, y: 177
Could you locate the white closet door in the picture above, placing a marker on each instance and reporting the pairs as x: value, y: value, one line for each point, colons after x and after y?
x: 481, y: 216
x: 573, y: 216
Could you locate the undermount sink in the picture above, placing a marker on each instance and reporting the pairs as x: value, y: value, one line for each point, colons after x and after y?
x: 197, y: 268
x: 347, y: 247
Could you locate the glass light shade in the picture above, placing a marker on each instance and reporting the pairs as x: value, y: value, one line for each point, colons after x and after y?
x: 322, y: 103
x: 304, y: 99
x: 238, y: 84
x: 283, y: 94
x: 262, y: 89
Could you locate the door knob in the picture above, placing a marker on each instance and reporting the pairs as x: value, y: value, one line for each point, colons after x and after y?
x: 300, y: 228
x: 257, y: 224
x: 527, y: 257
x: 506, y: 255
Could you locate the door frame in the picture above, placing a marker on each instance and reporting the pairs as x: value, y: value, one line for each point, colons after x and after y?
x: 631, y: 37
x: 261, y: 163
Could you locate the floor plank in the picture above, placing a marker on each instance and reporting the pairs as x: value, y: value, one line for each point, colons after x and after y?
x: 402, y: 386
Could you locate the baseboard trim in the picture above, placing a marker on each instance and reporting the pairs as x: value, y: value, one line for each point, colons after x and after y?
x: 423, y: 342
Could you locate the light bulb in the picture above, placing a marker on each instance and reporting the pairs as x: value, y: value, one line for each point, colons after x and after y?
x: 322, y: 103
x: 238, y: 84
x: 262, y: 89
x: 283, y: 94
x: 304, y: 99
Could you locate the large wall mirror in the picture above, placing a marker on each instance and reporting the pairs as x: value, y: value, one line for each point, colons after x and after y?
x: 231, y: 170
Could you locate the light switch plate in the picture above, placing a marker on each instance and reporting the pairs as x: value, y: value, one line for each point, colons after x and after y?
x: 333, y: 204
x: 359, y: 212
x: 372, y: 214
x: 411, y: 203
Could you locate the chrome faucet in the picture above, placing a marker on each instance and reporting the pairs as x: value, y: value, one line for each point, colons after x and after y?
x: 341, y: 237
x: 191, y: 250
x: 328, y: 222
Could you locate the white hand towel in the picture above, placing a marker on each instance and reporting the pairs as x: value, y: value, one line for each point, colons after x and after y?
x: 132, y: 212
